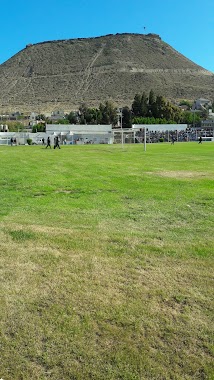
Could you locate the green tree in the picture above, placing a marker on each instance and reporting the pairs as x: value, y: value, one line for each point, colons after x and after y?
x: 39, y: 128
x: 186, y: 103
x: 41, y: 117
x: 109, y: 113
x: 93, y: 116
x: 127, y: 117
x: 160, y: 106
x: 15, y: 126
x: 82, y: 113
x: 136, y: 105
x: 72, y: 117
x: 152, y: 98
x: 144, y: 104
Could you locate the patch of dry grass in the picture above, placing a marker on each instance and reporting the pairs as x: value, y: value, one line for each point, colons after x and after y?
x: 181, y: 174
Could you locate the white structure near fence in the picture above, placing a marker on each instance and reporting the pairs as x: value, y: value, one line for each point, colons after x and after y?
x: 81, y: 133
x: 20, y: 138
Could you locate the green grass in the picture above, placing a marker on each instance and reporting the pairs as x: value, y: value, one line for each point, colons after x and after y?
x: 106, y: 262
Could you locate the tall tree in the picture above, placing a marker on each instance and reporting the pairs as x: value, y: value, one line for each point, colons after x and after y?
x: 136, y: 105
x: 109, y: 113
x: 82, y: 113
x: 127, y: 117
x: 159, y: 107
x: 72, y: 117
x: 152, y: 97
x: 151, y: 103
x: 144, y: 104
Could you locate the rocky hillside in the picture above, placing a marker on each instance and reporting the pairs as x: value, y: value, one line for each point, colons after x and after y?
x: 63, y: 74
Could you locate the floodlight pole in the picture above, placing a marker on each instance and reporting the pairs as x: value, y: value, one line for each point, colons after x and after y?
x: 120, y: 117
x: 121, y: 124
x: 194, y: 129
x: 144, y: 139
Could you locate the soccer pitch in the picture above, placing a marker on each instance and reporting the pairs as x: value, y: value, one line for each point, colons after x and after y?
x: 106, y: 262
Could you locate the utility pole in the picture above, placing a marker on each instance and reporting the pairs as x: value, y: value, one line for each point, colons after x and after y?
x: 120, y: 120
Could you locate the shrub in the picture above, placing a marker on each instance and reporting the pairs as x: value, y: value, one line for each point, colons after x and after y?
x: 29, y: 141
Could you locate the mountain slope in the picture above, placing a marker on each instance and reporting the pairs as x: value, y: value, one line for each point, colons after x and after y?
x: 63, y: 74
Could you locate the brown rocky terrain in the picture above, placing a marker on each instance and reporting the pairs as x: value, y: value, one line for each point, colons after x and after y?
x: 64, y: 74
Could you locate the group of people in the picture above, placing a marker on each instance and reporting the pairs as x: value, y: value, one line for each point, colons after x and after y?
x: 56, y: 142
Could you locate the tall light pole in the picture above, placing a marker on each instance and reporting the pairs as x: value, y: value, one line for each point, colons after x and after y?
x: 120, y: 120
x: 193, y: 124
x: 144, y: 138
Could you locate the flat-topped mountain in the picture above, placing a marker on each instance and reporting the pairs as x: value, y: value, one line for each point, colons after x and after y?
x: 63, y: 74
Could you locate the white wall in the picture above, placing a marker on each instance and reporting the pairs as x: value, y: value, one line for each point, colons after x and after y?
x: 76, y: 128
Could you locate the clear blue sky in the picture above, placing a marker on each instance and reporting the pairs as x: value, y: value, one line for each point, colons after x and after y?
x: 187, y: 25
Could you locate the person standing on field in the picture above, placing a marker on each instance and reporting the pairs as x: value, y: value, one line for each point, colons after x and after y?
x: 56, y: 145
x: 48, y: 143
x: 200, y: 140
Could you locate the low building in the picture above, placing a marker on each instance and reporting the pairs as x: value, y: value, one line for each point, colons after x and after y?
x: 32, y: 119
x: 57, y: 115
x: 202, y: 104
x: 81, y: 133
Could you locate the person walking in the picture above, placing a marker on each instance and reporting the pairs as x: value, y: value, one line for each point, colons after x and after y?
x: 200, y: 140
x: 48, y: 143
x: 56, y: 145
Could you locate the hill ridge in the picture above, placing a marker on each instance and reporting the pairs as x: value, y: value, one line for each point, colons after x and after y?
x: 65, y: 73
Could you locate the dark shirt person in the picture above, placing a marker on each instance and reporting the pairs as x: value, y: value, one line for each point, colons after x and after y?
x: 48, y: 143
x: 56, y: 145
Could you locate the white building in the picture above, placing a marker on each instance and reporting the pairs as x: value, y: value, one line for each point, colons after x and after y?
x: 81, y: 133
x: 32, y: 119
x: 202, y: 104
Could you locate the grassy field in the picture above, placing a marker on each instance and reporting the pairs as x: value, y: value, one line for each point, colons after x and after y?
x: 106, y: 262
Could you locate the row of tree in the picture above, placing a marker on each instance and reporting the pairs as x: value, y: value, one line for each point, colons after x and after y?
x: 154, y: 109
x: 145, y: 109
x: 105, y: 114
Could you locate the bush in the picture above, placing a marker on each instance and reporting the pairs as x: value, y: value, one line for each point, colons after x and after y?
x: 29, y: 141
x: 38, y: 128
